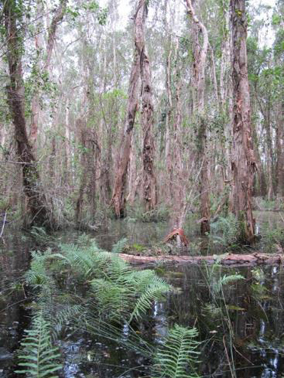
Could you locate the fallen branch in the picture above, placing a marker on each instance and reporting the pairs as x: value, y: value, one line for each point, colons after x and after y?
x: 228, y: 259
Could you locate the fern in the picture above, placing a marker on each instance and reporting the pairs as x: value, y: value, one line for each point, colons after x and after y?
x: 150, y: 288
x: 178, y: 356
x: 225, y: 280
x: 86, y: 262
x: 122, y: 291
x: 119, y: 246
x: 228, y: 228
x: 113, y: 297
x: 39, y: 358
x: 37, y: 275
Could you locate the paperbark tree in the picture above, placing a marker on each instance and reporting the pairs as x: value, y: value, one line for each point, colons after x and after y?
x: 31, y: 181
x: 118, y: 197
x: 243, y: 160
x: 280, y: 149
x: 149, y: 178
x: 57, y: 18
x: 200, y: 55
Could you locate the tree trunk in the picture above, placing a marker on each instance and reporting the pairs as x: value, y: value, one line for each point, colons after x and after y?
x: 41, y: 216
x: 280, y: 149
x: 149, y: 178
x: 243, y: 160
x: 81, y: 129
x: 57, y: 18
x: 118, y: 197
x: 200, y: 55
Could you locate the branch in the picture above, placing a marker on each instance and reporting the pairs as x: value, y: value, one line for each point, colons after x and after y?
x: 58, y: 16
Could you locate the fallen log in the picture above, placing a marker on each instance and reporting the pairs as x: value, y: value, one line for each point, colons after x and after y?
x: 228, y: 259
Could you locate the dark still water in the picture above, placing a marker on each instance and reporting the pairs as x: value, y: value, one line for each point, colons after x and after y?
x: 239, y: 314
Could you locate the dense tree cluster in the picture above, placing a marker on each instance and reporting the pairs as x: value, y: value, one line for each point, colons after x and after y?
x: 181, y: 107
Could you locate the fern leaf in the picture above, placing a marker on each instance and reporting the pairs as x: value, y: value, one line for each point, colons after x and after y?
x: 154, y: 291
x: 39, y: 358
x: 178, y: 356
x: 119, y: 246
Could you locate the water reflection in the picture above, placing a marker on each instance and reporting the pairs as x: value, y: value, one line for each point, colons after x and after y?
x: 252, y: 307
x: 246, y: 316
x: 14, y: 260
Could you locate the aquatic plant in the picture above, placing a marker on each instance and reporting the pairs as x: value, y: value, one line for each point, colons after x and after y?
x: 178, y: 357
x: 39, y: 357
x: 82, y: 287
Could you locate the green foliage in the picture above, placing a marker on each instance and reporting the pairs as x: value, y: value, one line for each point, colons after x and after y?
x: 37, y: 275
x: 273, y: 239
x: 39, y: 357
x: 138, y: 247
x: 75, y: 12
x: 123, y: 291
x: 225, y: 231
x: 225, y: 280
x: 150, y: 288
x: 113, y: 288
x: 177, y: 358
x: 113, y: 293
x: 119, y: 246
x: 85, y: 262
x: 276, y: 19
x: 158, y: 215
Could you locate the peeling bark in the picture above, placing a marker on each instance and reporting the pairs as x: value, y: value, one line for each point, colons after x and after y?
x: 57, y: 18
x: 149, y: 178
x: 118, y: 198
x: 200, y: 55
x: 243, y: 160
x: 41, y: 215
x: 280, y: 149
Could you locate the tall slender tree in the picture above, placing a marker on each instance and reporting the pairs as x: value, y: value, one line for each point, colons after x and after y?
x: 57, y: 18
x: 13, y: 16
x: 200, y: 50
x: 149, y: 178
x: 243, y: 160
x: 118, y: 198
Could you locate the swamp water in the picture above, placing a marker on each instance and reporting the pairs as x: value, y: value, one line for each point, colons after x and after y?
x: 246, y: 316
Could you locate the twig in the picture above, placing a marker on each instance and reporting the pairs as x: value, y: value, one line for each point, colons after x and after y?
x: 3, y: 224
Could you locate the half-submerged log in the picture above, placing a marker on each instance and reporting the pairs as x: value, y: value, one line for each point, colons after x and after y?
x: 228, y: 259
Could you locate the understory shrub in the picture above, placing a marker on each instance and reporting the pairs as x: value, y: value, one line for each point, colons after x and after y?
x: 225, y: 231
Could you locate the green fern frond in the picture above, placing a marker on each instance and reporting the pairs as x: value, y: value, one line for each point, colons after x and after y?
x: 39, y: 358
x: 122, y: 291
x: 225, y: 280
x: 178, y: 356
x: 87, y: 262
x: 117, y: 268
x: 119, y: 246
x: 154, y: 290
x: 113, y: 298
x: 37, y: 275
x: 232, y: 278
